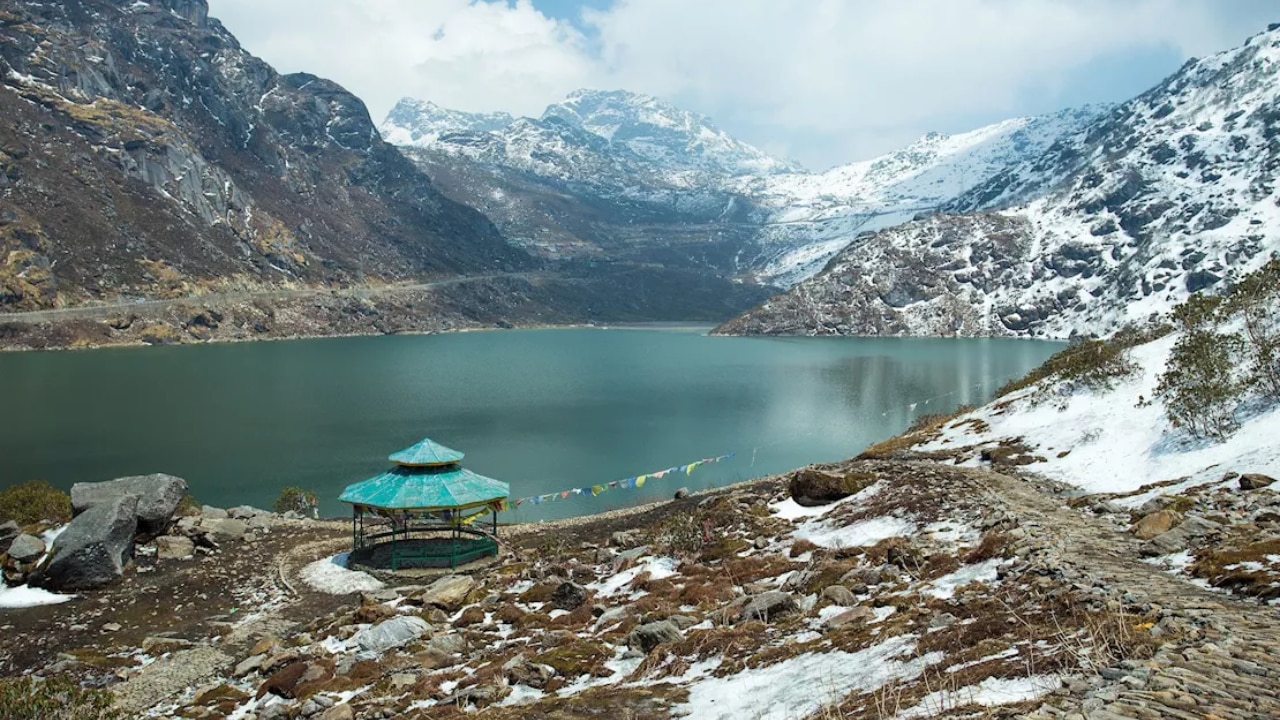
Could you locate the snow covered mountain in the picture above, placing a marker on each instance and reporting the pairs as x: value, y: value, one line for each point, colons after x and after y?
x: 623, y: 176
x: 1168, y: 194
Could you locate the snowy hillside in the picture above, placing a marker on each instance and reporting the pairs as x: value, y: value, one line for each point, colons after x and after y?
x: 1105, y: 442
x: 1168, y: 194
x: 611, y: 148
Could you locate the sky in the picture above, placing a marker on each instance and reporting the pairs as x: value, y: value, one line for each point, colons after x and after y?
x: 823, y: 82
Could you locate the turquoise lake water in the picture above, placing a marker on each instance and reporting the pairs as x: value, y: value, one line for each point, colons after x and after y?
x: 545, y: 410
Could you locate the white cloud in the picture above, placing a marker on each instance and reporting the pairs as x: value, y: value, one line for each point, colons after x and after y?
x: 825, y: 80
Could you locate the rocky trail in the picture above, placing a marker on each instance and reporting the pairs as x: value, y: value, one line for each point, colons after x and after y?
x: 1226, y: 665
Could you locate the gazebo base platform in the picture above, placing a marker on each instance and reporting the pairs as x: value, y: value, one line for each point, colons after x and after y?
x: 425, y: 557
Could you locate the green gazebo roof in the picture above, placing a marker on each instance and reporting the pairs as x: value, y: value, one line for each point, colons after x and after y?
x: 416, y: 488
x: 426, y: 453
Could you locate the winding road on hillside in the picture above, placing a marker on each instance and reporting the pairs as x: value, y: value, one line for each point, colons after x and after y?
x: 95, y: 312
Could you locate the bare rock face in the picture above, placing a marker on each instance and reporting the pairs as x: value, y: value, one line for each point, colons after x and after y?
x: 158, y: 496
x: 94, y: 549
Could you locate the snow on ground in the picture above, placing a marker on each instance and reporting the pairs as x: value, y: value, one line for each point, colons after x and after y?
x: 657, y: 568
x: 858, y: 534
x: 988, y: 693
x: 983, y: 572
x: 789, y: 509
x: 1111, y: 444
x: 331, y: 575
x: 804, y: 684
x: 24, y: 596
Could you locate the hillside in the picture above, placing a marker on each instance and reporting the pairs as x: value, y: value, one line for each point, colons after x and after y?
x: 623, y: 176
x: 1168, y: 194
x: 146, y: 154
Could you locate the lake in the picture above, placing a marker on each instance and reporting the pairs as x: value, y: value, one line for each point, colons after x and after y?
x: 545, y: 410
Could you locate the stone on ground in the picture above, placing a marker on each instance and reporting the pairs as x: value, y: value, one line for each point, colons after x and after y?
x: 568, y: 596
x: 768, y: 605
x: 26, y: 548
x: 1255, y: 481
x: 94, y: 548
x: 174, y: 547
x: 228, y: 529
x: 1159, y: 522
x: 448, y: 592
x: 651, y: 635
x: 391, y: 634
x: 839, y: 595
x: 811, y: 487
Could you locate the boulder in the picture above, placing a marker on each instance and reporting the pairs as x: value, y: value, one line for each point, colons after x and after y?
x: 174, y: 547
x: 651, y: 635
x: 158, y: 496
x: 228, y: 529
x: 839, y: 595
x: 852, y: 615
x: 811, y: 487
x: 682, y: 493
x: 1255, y: 481
x: 338, y: 712
x: 449, y: 644
x: 156, y: 646
x: 26, y: 548
x: 244, y: 512
x: 768, y: 605
x: 92, y: 551
x: 8, y: 531
x: 448, y: 592
x: 212, y: 513
x: 1157, y: 523
x: 568, y: 596
x: 391, y: 634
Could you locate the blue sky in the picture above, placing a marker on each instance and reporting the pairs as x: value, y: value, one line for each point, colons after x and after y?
x: 821, y: 81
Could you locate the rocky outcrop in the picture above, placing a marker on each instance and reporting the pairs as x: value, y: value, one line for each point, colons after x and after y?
x: 93, y: 549
x: 391, y: 633
x: 158, y: 496
x: 810, y: 487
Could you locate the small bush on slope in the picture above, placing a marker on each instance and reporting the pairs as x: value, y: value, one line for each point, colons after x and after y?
x: 1199, y: 385
x: 298, y: 500
x: 33, y: 501
x: 27, y: 697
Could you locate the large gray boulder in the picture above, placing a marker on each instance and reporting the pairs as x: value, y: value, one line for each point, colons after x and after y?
x: 158, y: 497
x: 94, y: 548
x: 391, y: 634
x: 8, y: 531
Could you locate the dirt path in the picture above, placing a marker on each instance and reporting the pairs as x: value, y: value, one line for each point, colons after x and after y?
x: 164, y: 679
x: 1227, y: 667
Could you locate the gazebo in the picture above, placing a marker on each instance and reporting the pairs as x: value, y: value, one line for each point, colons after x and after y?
x: 425, y: 511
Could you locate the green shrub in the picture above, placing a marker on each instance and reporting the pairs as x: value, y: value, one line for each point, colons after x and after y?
x: 189, y: 506
x: 298, y: 500
x: 1257, y: 299
x: 1199, y: 386
x: 1095, y: 364
x: 23, y: 698
x: 33, y: 501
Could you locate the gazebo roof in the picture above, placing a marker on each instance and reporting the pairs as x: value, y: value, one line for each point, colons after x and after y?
x: 426, y: 453
x: 410, y: 488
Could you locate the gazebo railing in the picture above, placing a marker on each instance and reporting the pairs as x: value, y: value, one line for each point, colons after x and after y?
x: 413, y: 543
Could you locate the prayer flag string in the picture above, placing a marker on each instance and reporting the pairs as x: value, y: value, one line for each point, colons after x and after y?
x: 631, y: 482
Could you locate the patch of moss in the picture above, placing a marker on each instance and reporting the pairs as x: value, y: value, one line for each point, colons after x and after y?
x: 33, y: 502
x: 581, y: 657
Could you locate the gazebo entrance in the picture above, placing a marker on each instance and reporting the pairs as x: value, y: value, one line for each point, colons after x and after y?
x: 426, y: 512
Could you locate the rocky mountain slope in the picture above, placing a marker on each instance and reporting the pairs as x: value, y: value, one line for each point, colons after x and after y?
x: 623, y: 176
x: 1165, y: 195
x: 146, y: 154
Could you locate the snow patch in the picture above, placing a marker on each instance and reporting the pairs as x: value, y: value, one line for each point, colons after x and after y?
x: 24, y: 596
x: 331, y: 575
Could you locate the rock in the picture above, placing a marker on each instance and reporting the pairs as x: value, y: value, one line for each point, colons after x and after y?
x: 94, y: 548
x: 215, y: 693
x: 243, y: 512
x: 448, y: 592
x: 449, y: 643
x: 684, y: 622
x: 174, y: 547
x: 682, y: 493
x: 839, y: 595
x: 1155, y: 504
x: 111, y: 627
x: 478, y: 695
x: 250, y: 664
x: 8, y: 531
x: 157, y: 497
x: 1156, y: 523
x: 162, y: 645
x: 338, y: 712
x: 760, y: 543
x: 651, y: 635
x: 768, y: 605
x: 391, y: 634
x: 811, y: 487
x: 228, y: 529
x: 622, y: 538
x: 1255, y: 481
x: 212, y: 513
x: 26, y: 548
x: 568, y: 596
x: 852, y: 615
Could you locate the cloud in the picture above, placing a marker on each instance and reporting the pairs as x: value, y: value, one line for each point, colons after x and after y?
x: 827, y: 81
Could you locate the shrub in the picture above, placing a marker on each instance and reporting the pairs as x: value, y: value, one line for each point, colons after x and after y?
x: 1257, y: 299
x: 189, y: 506
x: 298, y: 500
x: 26, y: 697
x: 33, y: 501
x: 1199, y: 385
x: 1094, y: 364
